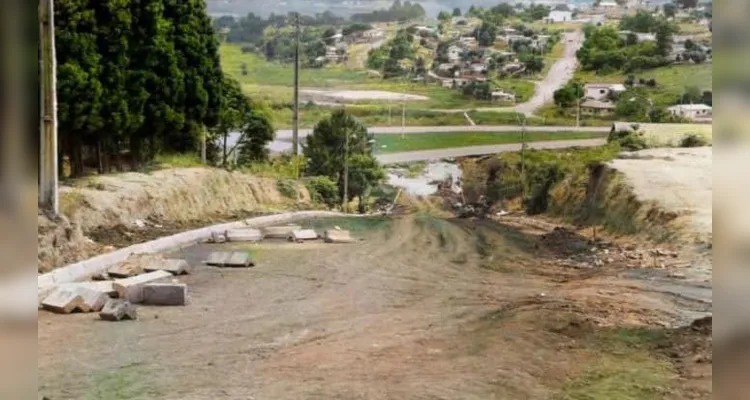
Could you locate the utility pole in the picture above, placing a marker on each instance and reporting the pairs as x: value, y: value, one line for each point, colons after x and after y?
x: 345, y: 200
x: 295, y: 121
x: 403, y: 110
x: 48, y: 196
x: 523, y: 158
x: 578, y: 106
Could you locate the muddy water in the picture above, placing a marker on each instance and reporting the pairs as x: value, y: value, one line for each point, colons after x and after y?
x: 423, y: 184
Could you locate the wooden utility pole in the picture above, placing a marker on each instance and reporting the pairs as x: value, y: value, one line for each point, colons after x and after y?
x: 48, y: 198
x: 523, y: 158
x: 295, y: 120
x: 345, y: 200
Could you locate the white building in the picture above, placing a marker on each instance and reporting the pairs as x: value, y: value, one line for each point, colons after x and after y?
x: 503, y: 96
x: 695, y: 112
x: 601, y: 91
x: 454, y: 53
x: 608, y: 5
x: 559, y: 16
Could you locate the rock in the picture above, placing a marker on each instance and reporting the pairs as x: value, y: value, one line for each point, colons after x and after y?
x: 173, y: 266
x: 239, y: 259
x: 131, y: 289
x: 609, y: 260
x: 302, y: 235
x: 118, y: 309
x: 280, y: 232
x: 165, y: 294
x: 337, y: 236
x: 244, y: 235
x: 102, y: 276
x: 218, y: 258
x: 63, y: 301
x: 126, y: 269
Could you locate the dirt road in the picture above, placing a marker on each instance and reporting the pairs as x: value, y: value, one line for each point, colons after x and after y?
x: 423, y: 308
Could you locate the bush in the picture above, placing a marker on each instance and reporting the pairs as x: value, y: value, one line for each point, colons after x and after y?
x: 323, y: 190
x: 247, y: 49
x: 287, y: 188
x: 693, y: 140
x: 628, y: 140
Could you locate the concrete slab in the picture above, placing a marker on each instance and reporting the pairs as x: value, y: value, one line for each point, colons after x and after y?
x: 171, y: 265
x: 244, y: 235
x: 302, y: 235
x: 218, y: 258
x: 239, y: 259
x: 63, y: 301
x: 126, y: 269
x: 165, y: 294
x: 217, y: 237
x: 118, y: 309
x: 131, y: 289
x: 280, y: 232
x: 93, y: 300
x: 337, y: 236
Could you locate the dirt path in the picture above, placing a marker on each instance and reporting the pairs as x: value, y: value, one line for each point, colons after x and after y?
x: 423, y: 308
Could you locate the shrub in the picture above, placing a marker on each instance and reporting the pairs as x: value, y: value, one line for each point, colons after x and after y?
x: 628, y: 140
x: 287, y: 188
x: 323, y: 190
x: 693, y: 140
x: 247, y: 49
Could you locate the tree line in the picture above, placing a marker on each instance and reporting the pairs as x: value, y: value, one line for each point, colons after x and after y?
x: 398, y: 11
x: 140, y: 77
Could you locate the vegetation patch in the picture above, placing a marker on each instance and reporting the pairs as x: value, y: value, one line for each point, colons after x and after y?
x: 425, y: 141
x: 287, y: 188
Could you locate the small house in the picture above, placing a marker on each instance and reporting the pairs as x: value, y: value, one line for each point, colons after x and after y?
x: 597, y: 108
x: 500, y: 95
x: 602, y: 91
x: 559, y: 16
x: 693, y: 112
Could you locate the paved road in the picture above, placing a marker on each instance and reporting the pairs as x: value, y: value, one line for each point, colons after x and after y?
x: 396, y: 130
x: 560, y: 73
x: 426, y: 155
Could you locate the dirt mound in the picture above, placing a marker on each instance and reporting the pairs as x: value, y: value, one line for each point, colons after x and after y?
x: 106, y: 212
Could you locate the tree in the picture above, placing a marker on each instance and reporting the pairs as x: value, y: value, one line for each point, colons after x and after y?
x: 533, y: 63
x: 664, y: 36
x: 328, y: 36
x: 634, y: 105
x: 687, y: 4
x: 692, y: 95
x: 504, y: 9
x: 567, y: 96
x: 364, y: 174
x: 670, y: 10
x: 642, y: 21
x: 456, y: 12
x: 478, y: 90
x: 444, y: 16
x: 326, y: 151
x: 486, y: 34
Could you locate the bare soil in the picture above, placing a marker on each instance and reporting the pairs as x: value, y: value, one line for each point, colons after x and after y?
x: 422, y: 308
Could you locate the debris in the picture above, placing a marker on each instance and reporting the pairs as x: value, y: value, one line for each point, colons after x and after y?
x: 102, y: 276
x: 118, y: 309
x: 229, y: 259
x: 132, y: 266
x: 303, y: 234
x: 139, y: 223
x: 131, y: 289
x: 337, y: 236
x: 244, y: 235
x: 93, y: 300
x: 165, y: 294
x: 173, y: 266
x: 217, y: 237
x: 63, y: 301
x: 280, y: 232
x: 502, y: 213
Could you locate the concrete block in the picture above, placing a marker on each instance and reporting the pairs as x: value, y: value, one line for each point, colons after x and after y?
x: 126, y: 269
x: 63, y: 301
x: 217, y: 237
x: 244, y: 235
x: 118, y: 309
x: 218, y: 258
x: 173, y: 266
x: 93, y: 300
x: 280, y: 232
x: 131, y: 289
x: 165, y: 294
x: 239, y: 259
x: 337, y: 236
x: 99, y: 286
x: 302, y: 235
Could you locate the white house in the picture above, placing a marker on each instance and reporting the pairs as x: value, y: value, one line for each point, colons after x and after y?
x: 695, y: 112
x: 608, y: 5
x: 559, y: 16
x: 503, y: 96
x: 601, y: 91
x: 597, y: 108
x: 454, y: 53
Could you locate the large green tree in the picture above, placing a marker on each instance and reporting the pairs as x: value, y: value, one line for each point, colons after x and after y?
x: 327, y: 151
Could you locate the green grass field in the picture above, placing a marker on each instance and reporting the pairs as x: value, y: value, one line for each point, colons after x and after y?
x: 671, y: 80
x: 428, y: 141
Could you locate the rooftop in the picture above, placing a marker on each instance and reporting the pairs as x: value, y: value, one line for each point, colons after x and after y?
x: 690, y: 107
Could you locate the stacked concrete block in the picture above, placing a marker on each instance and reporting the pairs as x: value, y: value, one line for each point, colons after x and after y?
x: 234, y: 259
x: 303, y: 234
x: 131, y: 289
x: 337, y: 236
x: 165, y: 294
x: 280, y: 232
x: 93, y: 300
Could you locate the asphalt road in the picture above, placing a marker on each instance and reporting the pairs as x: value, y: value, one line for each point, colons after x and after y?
x: 286, y: 134
x: 427, y: 155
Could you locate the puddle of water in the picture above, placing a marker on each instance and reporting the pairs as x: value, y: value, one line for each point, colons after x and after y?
x: 422, y: 185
